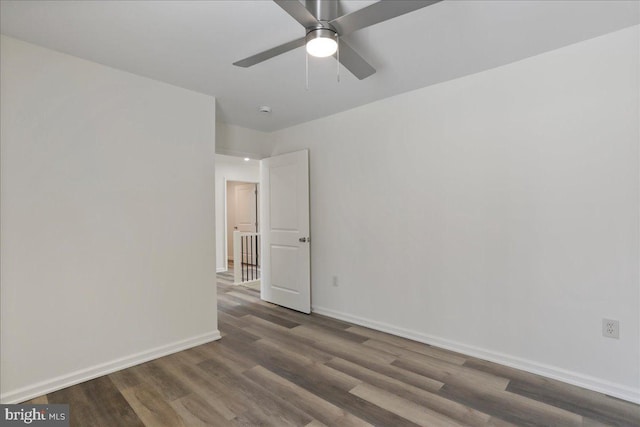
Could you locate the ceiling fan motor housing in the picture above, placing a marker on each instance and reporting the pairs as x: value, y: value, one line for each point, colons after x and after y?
x: 323, y: 10
x: 317, y: 33
x: 321, y: 39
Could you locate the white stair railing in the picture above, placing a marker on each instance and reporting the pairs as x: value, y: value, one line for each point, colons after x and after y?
x: 246, y: 257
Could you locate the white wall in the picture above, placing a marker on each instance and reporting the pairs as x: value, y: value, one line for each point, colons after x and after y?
x: 108, y: 240
x: 496, y: 214
x: 229, y: 168
x: 233, y: 140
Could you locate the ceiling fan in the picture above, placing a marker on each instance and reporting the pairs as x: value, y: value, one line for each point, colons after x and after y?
x: 325, y: 29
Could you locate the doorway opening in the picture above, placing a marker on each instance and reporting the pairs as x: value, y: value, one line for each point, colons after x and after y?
x: 281, y: 257
x: 242, y: 233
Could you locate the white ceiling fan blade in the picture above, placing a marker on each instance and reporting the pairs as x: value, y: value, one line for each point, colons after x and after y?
x: 268, y: 54
x: 298, y: 12
x: 354, y: 62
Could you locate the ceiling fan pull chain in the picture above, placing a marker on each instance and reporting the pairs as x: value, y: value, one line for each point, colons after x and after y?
x: 338, y: 58
x: 306, y: 69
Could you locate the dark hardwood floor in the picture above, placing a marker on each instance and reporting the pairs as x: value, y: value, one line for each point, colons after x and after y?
x: 278, y: 367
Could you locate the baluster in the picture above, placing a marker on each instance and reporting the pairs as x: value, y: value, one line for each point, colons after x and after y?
x: 245, y: 260
x: 242, y: 256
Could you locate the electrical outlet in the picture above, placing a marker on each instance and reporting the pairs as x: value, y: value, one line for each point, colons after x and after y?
x: 610, y: 328
x: 335, y: 281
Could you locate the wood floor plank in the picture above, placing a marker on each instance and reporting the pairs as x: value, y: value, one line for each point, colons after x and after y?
x: 407, y: 344
x: 328, y: 332
x: 497, y: 422
x: 449, y: 373
x: 320, y: 380
x: 151, y: 407
x: 379, y: 379
x: 238, y: 322
x: 81, y: 412
x: 126, y: 378
x: 600, y: 410
x: 256, y: 417
x: 591, y: 404
x: 262, y: 312
x: 588, y: 422
x: 113, y: 407
x: 425, y: 354
x: 218, y: 360
x: 403, y: 375
x: 270, y: 317
x: 320, y: 409
x: 511, y: 407
x: 351, y: 403
x: 278, y: 367
x: 270, y: 348
x: 264, y: 407
x: 402, y: 407
x: 337, y: 378
x: 258, y: 402
x: 286, y: 339
x: 250, y: 297
x: 338, y: 346
x: 220, y: 367
x: 196, y: 412
x: 97, y: 402
x: 320, y: 320
x: 313, y: 318
x: 169, y: 385
x: 426, y: 399
x: 229, y: 329
x: 206, y: 388
x: 215, y: 351
x: 271, y: 356
x: 266, y: 326
x: 292, y: 342
x: 225, y: 303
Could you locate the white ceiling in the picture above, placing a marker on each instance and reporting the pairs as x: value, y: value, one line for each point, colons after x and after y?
x: 192, y: 44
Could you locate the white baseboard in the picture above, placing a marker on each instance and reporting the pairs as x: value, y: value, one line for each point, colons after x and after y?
x: 82, y: 375
x: 221, y: 269
x: 575, y: 378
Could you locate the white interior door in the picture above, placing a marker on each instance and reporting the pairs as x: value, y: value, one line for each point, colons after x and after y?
x: 246, y: 215
x: 284, y: 215
x: 246, y: 208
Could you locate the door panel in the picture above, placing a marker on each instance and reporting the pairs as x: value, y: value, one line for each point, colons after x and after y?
x: 286, y: 264
x: 284, y: 213
x: 246, y: 207
x: 282, y: 276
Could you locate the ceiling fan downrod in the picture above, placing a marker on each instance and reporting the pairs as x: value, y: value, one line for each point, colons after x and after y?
x: 323, y: 10
x: 322, y: 34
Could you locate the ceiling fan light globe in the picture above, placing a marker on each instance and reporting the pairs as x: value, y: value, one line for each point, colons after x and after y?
x: 322, y: 47
x: 321, y: 42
